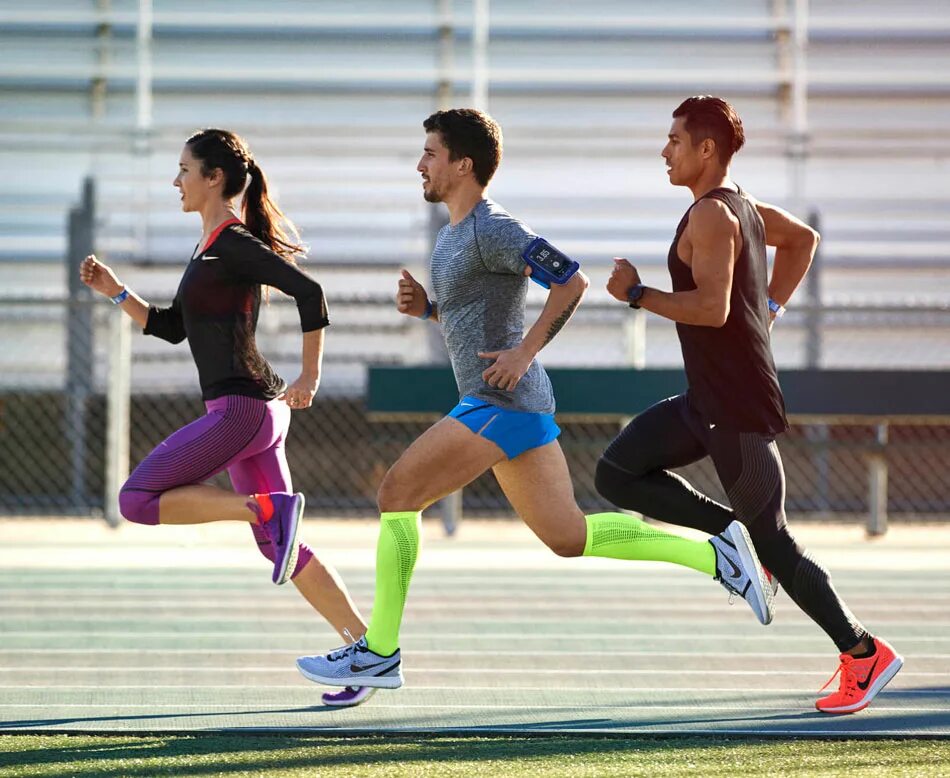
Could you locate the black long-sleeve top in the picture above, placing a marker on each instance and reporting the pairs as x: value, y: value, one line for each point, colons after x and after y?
x: 216, y: 308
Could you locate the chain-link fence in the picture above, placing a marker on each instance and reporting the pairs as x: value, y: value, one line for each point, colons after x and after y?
x: 53, y: 435
x: 54, y: 454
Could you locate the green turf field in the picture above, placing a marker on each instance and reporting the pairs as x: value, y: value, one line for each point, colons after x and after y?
x: 291, y: 755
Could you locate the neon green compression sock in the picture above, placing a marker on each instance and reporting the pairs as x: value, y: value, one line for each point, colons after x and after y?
x: 619, y: 536
x: 396, y: 554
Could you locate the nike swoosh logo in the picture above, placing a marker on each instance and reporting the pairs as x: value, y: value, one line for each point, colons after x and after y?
x: 467, y: 405
x: 355, y: 668
x: 867, y: 681
x: 206, y: 259
x: 736, y: 572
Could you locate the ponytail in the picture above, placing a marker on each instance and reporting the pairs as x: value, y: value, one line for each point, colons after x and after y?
x: 225, y: 150
x: 263, y: 218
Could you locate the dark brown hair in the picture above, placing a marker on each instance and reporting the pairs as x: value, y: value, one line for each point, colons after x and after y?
x: 228, y: 152
x: 469, y: 133
x: 712, y: 117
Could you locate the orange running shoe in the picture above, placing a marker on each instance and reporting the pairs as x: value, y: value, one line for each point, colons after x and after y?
x: 861, y: 679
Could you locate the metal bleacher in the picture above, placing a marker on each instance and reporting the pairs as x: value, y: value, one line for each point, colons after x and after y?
x: 846, y: 107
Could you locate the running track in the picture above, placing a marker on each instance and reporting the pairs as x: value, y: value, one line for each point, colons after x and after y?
x: 180, y: 629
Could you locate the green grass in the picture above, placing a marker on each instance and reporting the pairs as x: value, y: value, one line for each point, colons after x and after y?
x: 421, y: 757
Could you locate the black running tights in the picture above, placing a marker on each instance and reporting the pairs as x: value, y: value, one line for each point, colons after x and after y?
x: 634, y: 473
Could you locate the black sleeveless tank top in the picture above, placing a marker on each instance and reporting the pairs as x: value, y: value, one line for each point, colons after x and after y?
x: 732, y: 379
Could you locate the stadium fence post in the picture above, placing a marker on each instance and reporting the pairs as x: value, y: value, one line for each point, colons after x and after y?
x: 635, y: 339
x: 813, y: 331
x: 118, y: 403
x: 79, y: 345
x: 813, y: 313
x: 451, y: 508
x: 877, y: 497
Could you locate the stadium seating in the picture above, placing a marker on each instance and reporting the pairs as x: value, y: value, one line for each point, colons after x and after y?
x: 331, y: 97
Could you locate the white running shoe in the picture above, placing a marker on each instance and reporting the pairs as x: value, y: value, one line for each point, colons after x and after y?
x: 354, y: 665
x: 739, y: 571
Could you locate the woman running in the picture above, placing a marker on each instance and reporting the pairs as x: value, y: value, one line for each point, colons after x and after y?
x: 248, y: 404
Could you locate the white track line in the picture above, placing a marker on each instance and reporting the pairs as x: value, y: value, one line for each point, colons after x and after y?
x: 288, y: 607
x: 658, y: 572
x: 585, y: 637
x: 778, y: 632
x: 519, y: 671
x: 266, y: 600
x: 403, y: 706
x: 307, y: 689
x: 417, y: 670
x: 731, y: 655
x: 124, y: 597
x: 298, y: 640
x: 509, y: 617
x: 197, y: 570
x: 665, y: 609
x: 488, y: 587
x: 266, y: 638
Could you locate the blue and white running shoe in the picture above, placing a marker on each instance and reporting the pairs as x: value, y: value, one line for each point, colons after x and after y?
x: 739, y: 571
x: 354, y: 665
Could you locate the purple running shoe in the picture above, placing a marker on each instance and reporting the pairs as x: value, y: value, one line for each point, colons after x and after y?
x: 349, y: 697
x: 282, y: 529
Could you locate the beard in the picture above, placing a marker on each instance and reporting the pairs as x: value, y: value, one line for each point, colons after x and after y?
x: 431, y: 196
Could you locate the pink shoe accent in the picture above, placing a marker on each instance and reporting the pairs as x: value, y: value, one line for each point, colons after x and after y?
x: 263, y: 506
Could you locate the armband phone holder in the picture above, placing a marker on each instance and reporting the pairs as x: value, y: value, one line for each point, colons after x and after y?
x: 548, y: 265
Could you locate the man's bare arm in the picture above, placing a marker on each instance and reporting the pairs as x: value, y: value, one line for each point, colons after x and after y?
x: 509, y: 366
x: 795, y: 246
x: 712, y: 231
x: 562, y: 301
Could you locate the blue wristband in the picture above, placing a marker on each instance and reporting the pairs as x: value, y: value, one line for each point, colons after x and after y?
x: 121, y: 297
x: 428, y: 310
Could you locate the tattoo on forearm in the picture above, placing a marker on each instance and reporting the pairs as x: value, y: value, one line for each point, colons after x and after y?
x: 561, y: 320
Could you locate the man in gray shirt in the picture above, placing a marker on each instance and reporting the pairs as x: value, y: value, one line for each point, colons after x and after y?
x: 505, y: 417
x: 478, y: 275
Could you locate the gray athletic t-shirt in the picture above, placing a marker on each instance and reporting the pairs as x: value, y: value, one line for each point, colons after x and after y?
x: 478, y: 275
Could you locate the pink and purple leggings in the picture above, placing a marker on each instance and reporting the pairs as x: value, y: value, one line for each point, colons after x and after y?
x: 242, y: 435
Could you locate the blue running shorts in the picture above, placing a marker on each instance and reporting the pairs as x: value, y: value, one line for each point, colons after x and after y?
x: 514, y: 432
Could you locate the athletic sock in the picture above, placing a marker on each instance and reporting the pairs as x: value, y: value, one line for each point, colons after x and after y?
x: 396, y: 555
x: 618, y: 536
x: 872, y: 649
x: 262, y: 506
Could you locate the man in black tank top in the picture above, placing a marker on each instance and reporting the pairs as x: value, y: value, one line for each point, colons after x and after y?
x: 724, y: 305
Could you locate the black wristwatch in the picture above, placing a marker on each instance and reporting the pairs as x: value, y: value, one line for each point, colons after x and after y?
x: 634, y: 294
